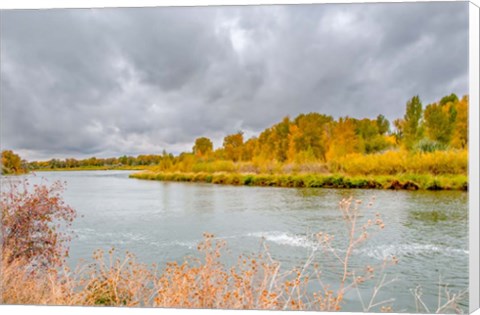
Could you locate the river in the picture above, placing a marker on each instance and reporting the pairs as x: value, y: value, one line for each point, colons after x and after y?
x: 164, y: 221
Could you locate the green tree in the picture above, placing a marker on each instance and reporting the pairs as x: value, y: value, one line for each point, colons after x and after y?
x: 410, y: 128
x: 371, y: 133
x: 440, y: 120
x: 452, y: 98
x: 383, y: 124
x: 123, y: 160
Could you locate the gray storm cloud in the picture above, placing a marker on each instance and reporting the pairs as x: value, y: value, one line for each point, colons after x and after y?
x: 108, y: 82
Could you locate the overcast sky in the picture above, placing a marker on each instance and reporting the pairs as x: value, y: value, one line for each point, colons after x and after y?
x: 108, y: 82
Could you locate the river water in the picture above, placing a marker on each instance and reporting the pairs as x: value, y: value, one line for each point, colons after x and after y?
x: 164, y: 221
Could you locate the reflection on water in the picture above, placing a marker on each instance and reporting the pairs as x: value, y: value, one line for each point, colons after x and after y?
x: 160, y: 222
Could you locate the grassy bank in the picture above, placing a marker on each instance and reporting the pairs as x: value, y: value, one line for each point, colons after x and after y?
x: 401, y: 181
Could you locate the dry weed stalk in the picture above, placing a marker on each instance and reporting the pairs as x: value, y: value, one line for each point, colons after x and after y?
x: 329, y: 299
x: 447, y: 300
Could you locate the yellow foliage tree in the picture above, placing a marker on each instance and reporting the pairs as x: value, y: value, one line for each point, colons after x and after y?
x: 203, y: 146
x: 344, y: 140
x: 12, y: 163
x: 460, y: 134
x: 232, y: 145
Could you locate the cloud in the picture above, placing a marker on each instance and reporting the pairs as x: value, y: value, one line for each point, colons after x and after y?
x: 129, y: 81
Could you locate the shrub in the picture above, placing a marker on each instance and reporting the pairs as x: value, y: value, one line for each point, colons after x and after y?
x: 427, y: 145
x: 247, y: 180
x: 213, y: 166
x: 31, y: 224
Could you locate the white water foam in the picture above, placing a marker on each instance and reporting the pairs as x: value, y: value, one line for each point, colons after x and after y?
x: 400, y: 250
x: 283, y: 238
x: 277, y: 237
x: 289, y: 239
x: 380, y: 252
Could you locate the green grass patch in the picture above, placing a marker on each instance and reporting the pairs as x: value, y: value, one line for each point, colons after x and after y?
x: 394, y: 182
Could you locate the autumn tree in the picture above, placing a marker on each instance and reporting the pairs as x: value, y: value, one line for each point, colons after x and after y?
x: 166, y: 161
x: 345, y: 141
x: 249, y: 149
x: 266, y: 146
x: 294, y: 137
x: 272, y: 143
x: 232, y: 144
x: 203, y: 146
x: 460, y: 133
x: 12, y: 163
x: 280, y: 139
x: 312, y: 134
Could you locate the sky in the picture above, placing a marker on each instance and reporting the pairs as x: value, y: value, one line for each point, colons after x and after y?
x: 108, y: 82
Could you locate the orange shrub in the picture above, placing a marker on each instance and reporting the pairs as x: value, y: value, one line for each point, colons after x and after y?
x: 31, y: 221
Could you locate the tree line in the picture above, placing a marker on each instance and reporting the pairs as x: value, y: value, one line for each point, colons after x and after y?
x: 140, y: 160
x: 316, y: 137
x: 311, y: 137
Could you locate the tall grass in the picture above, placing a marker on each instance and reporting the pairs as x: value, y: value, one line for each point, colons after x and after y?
x: 390, y: 162
x: 398, y: 162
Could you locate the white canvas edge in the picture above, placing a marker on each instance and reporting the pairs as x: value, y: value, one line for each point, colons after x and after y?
x: 474, y: 149
x: 474, y: 218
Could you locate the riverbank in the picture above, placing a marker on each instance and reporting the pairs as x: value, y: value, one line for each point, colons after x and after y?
x: 400, y: 181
